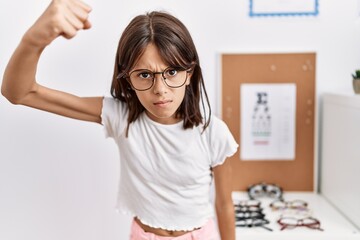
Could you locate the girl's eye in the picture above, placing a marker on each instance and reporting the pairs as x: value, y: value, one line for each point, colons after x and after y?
x: 171, y: 72
x: 145, y: 75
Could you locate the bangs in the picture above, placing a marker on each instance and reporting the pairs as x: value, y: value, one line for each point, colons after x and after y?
x: 174, y: 52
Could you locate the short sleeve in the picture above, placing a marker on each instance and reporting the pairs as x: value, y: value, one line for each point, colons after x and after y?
x: 113, y: 117
x: 222, y: 142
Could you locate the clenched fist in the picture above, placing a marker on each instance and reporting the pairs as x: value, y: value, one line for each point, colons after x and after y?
x: 61, y: 18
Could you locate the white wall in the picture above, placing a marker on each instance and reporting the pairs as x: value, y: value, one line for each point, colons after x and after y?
x: 58, y: 176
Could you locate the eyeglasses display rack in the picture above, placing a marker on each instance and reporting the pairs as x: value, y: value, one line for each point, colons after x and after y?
x: 331, y: 225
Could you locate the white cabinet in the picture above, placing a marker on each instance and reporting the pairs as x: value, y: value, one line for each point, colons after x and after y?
x: 340, y: 153
x: 338, y: 204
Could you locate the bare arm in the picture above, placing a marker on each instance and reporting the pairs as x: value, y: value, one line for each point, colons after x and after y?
x: 19, y: 86
x: 223, y: 201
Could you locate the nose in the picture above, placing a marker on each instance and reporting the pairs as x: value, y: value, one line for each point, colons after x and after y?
x: 159, y: 85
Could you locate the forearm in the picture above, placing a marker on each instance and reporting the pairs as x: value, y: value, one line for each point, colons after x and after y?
x: 226, y: 221
x: 61, y: 18
x: 19, y: 75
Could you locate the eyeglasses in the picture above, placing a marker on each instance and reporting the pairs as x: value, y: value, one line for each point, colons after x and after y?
x: 239, y: 209
x: 144, y: 79
x: 247, y: 215
x: 290, y: 223
x: 296, y: 213
x: 248, y: 203
x: 282, y: 205
x: 264, y: 190
x: 253, y: 222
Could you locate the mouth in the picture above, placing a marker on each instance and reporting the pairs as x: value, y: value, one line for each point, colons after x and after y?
x: 162, y: 103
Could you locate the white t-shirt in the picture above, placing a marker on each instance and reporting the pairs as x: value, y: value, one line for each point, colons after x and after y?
x: 165, y: 170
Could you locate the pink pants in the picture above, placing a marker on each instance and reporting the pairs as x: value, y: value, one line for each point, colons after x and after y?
x: 207, y: 232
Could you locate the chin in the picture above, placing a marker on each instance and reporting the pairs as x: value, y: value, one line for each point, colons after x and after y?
x: 159, y: 116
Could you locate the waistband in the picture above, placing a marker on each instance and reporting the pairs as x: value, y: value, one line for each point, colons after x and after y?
x: 207, y: 232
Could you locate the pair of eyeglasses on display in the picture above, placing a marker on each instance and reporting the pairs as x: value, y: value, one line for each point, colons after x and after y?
x: 282, y: 205
x: 265, y: 190
x: 247, y: 215
x: 248, y: 203
x: 295, y: 213
x: 253, y: 222
x: 144, y: 79
x: 247, y: 209
x: 291, y: 223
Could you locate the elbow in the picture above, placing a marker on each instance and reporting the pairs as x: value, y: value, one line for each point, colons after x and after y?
x: 4, y: 93
x: 8, y: 96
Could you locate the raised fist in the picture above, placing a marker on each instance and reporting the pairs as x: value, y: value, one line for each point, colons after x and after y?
x: 61, y: 18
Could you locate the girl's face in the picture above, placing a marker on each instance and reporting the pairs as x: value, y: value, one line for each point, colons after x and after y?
x: 160, y: 101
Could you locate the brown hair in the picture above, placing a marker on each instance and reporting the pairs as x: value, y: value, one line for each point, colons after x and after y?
x: 176, y: 47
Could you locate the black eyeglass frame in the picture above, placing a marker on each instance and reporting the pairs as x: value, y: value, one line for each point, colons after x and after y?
x: 127, y: 76
x: 266, y: 190
x: 247, y: 209
x: 247, y: 203
x: 247, y: 215
x: 253, y: 222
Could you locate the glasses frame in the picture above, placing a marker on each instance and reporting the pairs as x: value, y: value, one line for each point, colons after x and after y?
x: 253, y: 222
x: 265, y: 190
x: 280, y: 204
x: 246, y: 215
x: 162, y: 75
x: 247, y: 203
x: 239, y: 209
x: 300, y: 223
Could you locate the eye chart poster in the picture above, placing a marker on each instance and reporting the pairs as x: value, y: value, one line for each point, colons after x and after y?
x: 268, y: 121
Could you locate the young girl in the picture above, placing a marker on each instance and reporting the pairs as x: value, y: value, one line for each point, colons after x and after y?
x: 170, y: 146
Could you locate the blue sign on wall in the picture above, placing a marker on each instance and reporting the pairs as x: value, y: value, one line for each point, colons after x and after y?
x: 274, y: 8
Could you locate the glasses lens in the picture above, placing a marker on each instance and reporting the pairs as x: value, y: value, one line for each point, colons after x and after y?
x: 277, y: 205
x: 174, y: 77
x: 256, y: 191
x: 141, y: 79
x: 273, y: 191
x: 310, y: 221
x: 289, y: 221
x: 298, y: 204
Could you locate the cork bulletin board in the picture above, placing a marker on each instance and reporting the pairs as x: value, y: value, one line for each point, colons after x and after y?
x: 294, y: 68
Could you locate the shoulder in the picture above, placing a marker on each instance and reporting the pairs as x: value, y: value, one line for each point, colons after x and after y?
x: 110, y: 101
x: 217, y: 130
x: 113, y: 116
x: 221, y: 141
x: 113, y: 105
x: 217, y: 126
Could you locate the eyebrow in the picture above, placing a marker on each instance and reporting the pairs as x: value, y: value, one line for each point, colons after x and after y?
x: 136, y: 69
